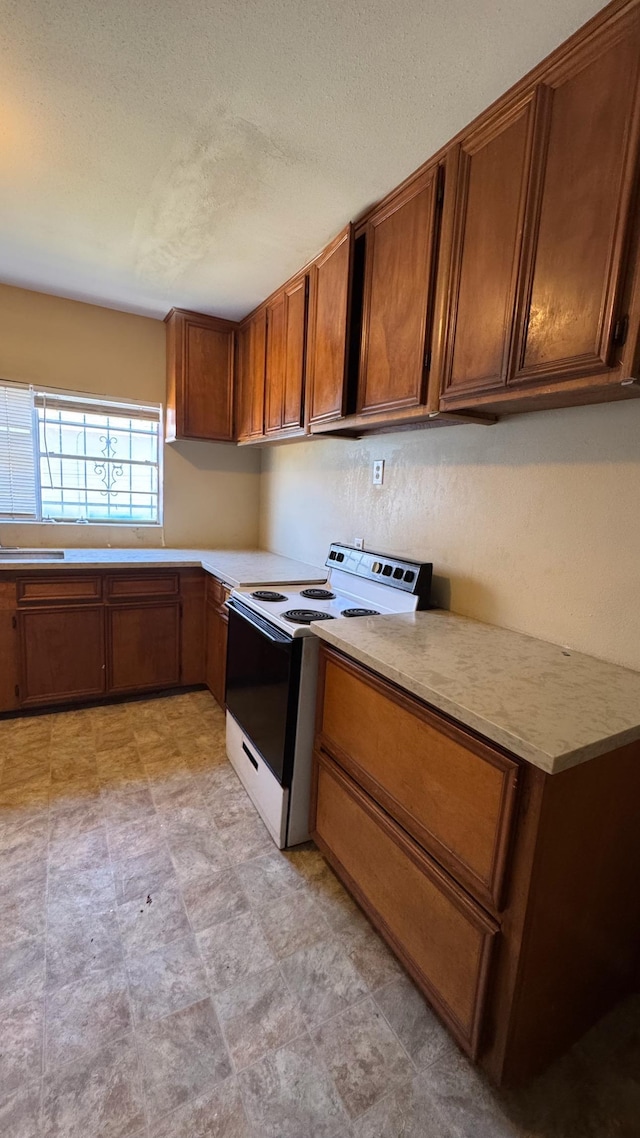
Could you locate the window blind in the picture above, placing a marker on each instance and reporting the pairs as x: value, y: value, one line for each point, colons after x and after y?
x: 18, y: 477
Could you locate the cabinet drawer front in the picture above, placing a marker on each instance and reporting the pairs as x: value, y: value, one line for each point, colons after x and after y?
x: 140, y: 585
x: 443, y: 938
x: 65, y: 587
x: 453, y: 794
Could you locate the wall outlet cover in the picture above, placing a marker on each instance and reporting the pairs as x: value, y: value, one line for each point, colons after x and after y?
x: 378, y: 471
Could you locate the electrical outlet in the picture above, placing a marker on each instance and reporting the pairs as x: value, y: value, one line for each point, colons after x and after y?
x: 358, y: 542
x: 378, y: 471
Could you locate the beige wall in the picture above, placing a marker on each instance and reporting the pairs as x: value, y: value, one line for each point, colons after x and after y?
x: 210, y: 490
x: 533, y: 524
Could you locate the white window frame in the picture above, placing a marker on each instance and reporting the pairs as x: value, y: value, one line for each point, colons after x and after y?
x: 94, y: 404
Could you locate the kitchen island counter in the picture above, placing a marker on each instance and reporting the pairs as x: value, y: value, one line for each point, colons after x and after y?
x: 547, y: 704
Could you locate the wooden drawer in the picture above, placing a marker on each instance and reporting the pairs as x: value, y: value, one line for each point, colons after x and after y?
x: 444, y: 938
x: 73, y: 587
x: 454, y: 794
x: 137, y: 586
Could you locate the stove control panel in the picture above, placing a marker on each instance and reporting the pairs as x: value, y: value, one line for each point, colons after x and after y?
x: 410, y: 576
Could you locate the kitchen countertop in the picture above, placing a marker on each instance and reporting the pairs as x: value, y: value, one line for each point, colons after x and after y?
x: 549, y: 705
x: 235, y: 567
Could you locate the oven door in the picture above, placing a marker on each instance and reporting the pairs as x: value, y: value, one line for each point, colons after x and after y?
x: 263, y: 685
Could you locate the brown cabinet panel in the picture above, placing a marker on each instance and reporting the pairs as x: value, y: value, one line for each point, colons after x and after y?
x: 276, y: 363
x: 9, y: 654
x: 591, y: 146
x: 401, y: 245
x: 138, y: 585
x: 200, y: 351
x: 441, y: 935
x: 192, y: 640
x: 286, y: 336
x: 329, y: 329
x: 61, y: 587
x: 143, y: 646
x: 62, y: 654
x: 251, y: 362
x: 487, y: 181
x: 295, y: 338
x: 455, y: 795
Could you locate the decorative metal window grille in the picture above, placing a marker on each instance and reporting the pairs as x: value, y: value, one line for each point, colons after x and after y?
x: 92, y: 460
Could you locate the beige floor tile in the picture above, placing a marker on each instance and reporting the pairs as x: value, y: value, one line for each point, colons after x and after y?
x: 267, y: 878
x: 20, y: 1046
x: 233, y: 950
x: 288, y: 1094
x: 153, y: 919
x: 98, y: 1096
x: 323, y: 980
x: 182, y: 1056
x: 21, y: 973
x: 417, y: 1027
x: 217, y: 1114
x: 143, y: 874
x: 20, y: 1113
x: 212, y: 898
x: 363, y: 1056
x: 163, y: 981
x: 23, y: 903
x: 81, y: 943
x: 86, y: 1014
x: 257, y: 1015
x: 293, y: 922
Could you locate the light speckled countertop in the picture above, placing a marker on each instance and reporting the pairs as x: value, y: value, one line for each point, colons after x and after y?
x: 234, y: 566
x: 551, y: 706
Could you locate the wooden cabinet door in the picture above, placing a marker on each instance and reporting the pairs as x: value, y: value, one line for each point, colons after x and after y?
x: 276, y: 355
x: 216, y: 669
x: 401, y: 246
x: 251, y: 377
x: 329, y: 329
x: 485, y: 200
x: 574, y: 270
x: 286, y: 344
x: 200, y: 351
x: 62, y: 654
x: 143, y: 646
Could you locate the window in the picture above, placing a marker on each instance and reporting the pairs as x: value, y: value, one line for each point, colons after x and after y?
x: 75, y: 458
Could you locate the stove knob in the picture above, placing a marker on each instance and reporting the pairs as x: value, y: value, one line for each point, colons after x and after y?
x: 377, y: 566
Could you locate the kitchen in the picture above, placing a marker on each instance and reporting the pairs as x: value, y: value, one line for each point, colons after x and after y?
x: 526, y: 522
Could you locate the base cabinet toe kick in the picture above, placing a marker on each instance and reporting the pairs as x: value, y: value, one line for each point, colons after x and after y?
x: 509, y: 895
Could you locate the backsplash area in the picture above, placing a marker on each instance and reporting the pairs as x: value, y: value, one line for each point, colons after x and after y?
x: 531, y: 524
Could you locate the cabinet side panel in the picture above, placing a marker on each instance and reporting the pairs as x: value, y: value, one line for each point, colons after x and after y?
x: 580, y: 951
x: 192, y: 589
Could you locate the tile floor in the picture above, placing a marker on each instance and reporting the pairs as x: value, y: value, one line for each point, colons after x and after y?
x: 165, y: 972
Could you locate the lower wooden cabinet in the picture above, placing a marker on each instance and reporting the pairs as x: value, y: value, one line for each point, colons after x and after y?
x: 143, y: 647
x: 518, y: 966
x: 67, y: 638
x: 217, y: 623
x: 62, y: 654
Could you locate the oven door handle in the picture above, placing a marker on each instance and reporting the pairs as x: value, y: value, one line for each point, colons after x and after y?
x: 261, y: 626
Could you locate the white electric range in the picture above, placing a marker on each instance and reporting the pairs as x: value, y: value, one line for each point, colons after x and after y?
x: 272, y: 667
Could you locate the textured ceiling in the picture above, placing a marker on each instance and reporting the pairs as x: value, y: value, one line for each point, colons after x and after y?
x: 196, y: 154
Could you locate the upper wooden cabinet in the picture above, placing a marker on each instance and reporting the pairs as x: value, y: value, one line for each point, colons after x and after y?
x: 250, y: 376
x: 538, y: 223
x: 329, y: 327
x: 286, y: 352
x: 200, y: 351
x: 401, y: 249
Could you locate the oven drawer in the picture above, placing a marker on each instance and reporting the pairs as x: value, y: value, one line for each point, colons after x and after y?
x: 441, y: 935
x: 454, y: 794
